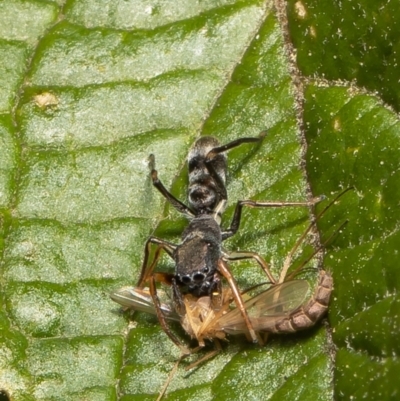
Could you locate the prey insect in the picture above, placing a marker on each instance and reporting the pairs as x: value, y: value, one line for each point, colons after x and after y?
x: 200, y: 260
x: 282, y: 308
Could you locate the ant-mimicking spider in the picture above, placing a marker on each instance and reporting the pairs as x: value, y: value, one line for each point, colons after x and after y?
x: 199, y: 259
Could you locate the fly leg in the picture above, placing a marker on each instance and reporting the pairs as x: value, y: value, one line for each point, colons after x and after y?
x: 209, y: 355
x: 170, y: 377
x: 239, y: 255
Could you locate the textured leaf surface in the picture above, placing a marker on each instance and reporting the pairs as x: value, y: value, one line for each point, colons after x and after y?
x: 358, y: 140
x: 354, y: 40
x: 88, y: 90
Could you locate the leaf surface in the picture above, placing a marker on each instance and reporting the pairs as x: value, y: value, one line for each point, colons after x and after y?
x: 88, y: 90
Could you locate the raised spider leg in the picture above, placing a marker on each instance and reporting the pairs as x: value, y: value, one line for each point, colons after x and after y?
x: 146, y: 270
x: 224, y: 270
x: 237, y: 142
x: 176, y: 203
x: 220, y: 185
x: 250, y: 203
x: 239, y: 255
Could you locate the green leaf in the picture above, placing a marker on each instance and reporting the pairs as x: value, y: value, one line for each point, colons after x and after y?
x: 88, y: 90
x: 354, y: 40
x: 354, y: 141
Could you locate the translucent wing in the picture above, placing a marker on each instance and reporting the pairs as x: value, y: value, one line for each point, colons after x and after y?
x: 267, y: 308
x: 140, y: 300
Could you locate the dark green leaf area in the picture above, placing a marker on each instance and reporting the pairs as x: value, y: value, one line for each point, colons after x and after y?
x: 259, y: 95
x: 236, y: 114
x: 353, y: 40
x: 364, y: 275
x: 311, y: 382
x: 358, y: 146
x: 360, y: 378
x: 265, y: 62
x: 276, y: 368
x: 376, y: 329
x: 354, y: 142
x: 358, y: 281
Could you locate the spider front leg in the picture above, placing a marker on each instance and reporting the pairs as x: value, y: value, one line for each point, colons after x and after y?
x: 148, y: 275
x: 220, y: 185
x: 162, y: 319
x: 224, y: 270
x: 176, y: 203
x: 147, y: 270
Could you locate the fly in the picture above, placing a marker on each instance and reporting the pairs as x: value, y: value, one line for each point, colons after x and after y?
x: 279, y: 309
x: 282, y: 308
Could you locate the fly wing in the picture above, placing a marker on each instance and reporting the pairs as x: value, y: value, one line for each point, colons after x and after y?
x: 267, y: 308
x: 140, y: 300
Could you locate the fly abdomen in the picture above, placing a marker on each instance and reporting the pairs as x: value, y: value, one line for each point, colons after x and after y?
x: 206, y: 178
x: 312, y: 311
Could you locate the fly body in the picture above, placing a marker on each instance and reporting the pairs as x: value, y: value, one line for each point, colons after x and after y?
x: 282, y: 308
